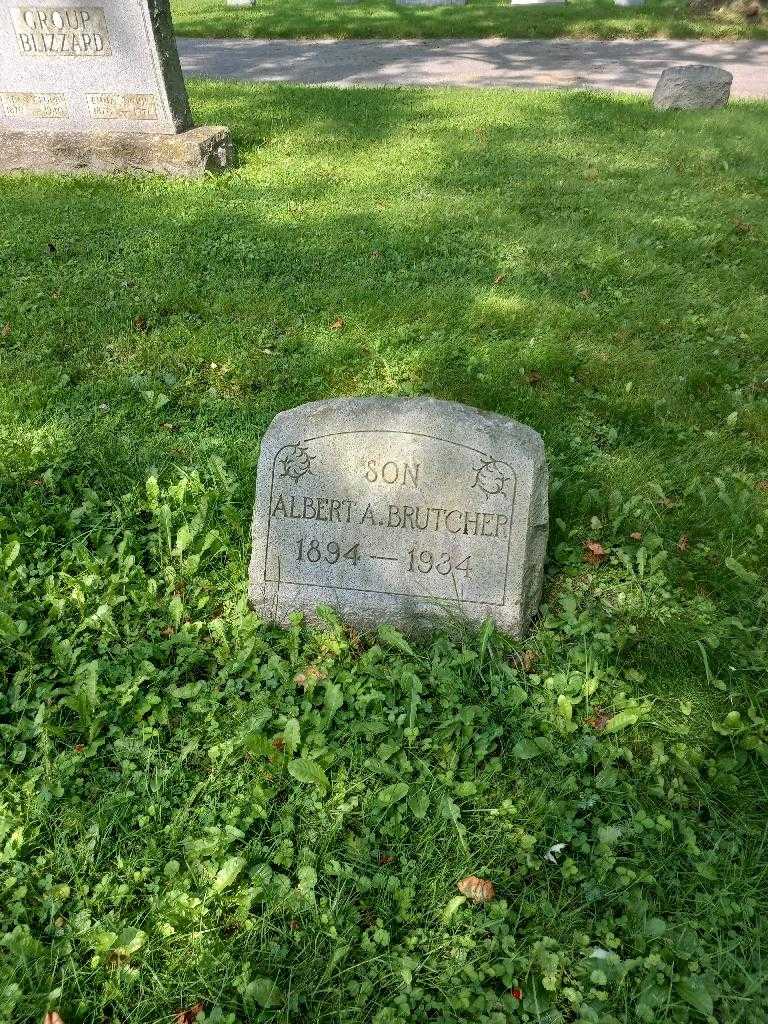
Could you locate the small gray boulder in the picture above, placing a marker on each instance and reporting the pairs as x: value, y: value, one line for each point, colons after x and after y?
x: 692, y: 87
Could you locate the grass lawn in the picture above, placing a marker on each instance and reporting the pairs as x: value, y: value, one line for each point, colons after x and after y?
x: 383, y: 19
x: 199, y: 809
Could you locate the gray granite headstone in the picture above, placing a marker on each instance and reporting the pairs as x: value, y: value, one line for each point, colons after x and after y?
x: 405, y: 511
x: 90, y: 65
x: 96, y: 85
x: 692, y: 87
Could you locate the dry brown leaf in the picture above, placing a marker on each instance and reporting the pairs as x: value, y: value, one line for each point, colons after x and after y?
x: 762, y: 485
x: 594, y: 552
x: 529, y: 658
x: 53, y: 1018
x: 742, y: 227
x: 278, y: 743
x: 636, y: 535
x: 499, y: 278
x: 311, y: 674
x: 598, y: 720
x: 337, y: 324
x: 533, y: 378
x: 479, y: 890
x: 355, y: 639
x: 189, y: 1016
x: 585, y: 294
x: 670, y: 503
x: 682, y: 544
x: 6, y: 330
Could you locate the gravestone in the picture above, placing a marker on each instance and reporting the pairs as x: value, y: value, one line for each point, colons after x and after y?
x: 405, y: 511
x: 692, y: 87
x: 97, y: 85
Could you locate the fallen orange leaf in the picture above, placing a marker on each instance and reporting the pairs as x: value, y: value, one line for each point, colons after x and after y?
x: 594, y: 552
x: 189, y: 1016
x: 599, y: 720
x: 479, y: 890
x: 529, y: 660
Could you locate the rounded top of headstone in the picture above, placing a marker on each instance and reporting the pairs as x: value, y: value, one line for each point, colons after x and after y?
x: 431, y: 417
x: 698, y: 72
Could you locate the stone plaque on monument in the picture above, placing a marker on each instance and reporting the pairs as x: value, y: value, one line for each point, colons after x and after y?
x: 405, y: 511
x: 88, y: 85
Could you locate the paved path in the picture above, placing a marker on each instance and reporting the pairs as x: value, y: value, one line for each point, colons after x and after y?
x: 622, y: 64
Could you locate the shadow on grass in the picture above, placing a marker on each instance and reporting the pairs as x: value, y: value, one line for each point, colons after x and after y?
x: 571, y: 260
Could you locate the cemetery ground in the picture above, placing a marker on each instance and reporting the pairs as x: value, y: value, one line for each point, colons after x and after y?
x: 201, y: 812
x: 384, y: 19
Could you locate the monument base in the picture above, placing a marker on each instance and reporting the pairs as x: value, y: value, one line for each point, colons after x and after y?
x: 187, y: 155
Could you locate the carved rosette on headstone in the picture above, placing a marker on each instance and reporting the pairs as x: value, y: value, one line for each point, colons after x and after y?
x: 405, y: 511
x: 97, y: 85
